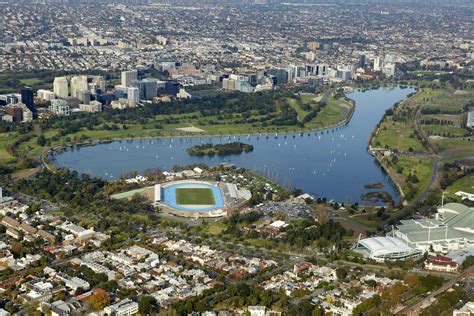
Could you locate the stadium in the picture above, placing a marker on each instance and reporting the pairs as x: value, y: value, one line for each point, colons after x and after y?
x: 383, y: 249
x: 193, y: 198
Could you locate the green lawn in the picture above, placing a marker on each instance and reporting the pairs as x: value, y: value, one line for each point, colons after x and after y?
x: 128, y: 194
x: 444, y: 130
x: 447, y: 101
x: 215, y: 228
x: 456, y: 143
x: 31, y: 81
x: 421, y: 167
x: 465, y: 184
x: 397, y: 135
x: 194, y: 196
x: 427, y: 94
x: 294, y: 104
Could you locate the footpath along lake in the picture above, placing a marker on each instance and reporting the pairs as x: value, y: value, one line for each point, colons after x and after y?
x: 334, y: 164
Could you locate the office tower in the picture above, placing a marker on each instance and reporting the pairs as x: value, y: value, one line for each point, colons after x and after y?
x: 321, y: 70
x: 172, y: 87
x: 106, y: 98
x: 344, y: 74
x: 61, y: 87
x: 84, y: 96
x: 280, y: 74
x: 361, y: 63
x: 251, y: 78
x: 292, y: 72
x: 128, y: 77
x: 27, y: 98
x: 133, y: 94
x: 78, y: 83
x: 148, y: 89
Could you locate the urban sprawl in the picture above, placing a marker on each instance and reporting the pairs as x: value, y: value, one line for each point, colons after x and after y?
x: 221, y: 239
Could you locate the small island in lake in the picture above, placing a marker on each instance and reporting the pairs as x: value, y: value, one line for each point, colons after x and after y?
x: 377, y: 196
x: 374, y: 185
x: 209, y: 149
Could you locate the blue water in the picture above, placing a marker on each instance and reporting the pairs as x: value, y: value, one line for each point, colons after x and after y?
x: 170, y: 197
x: 334, y: 164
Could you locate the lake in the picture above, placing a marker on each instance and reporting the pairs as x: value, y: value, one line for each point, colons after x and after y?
x: 334, y: 164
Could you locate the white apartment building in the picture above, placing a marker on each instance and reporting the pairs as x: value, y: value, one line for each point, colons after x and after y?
x: 125, y: 307
x: 46, y: 95
x: 128, y: 77
x: 78, y: 83
x: 59, y: 107
x: 61, y: 87
x: 133, y: 95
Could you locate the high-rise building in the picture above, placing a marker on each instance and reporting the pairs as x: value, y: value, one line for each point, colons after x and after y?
x: 78, y: 83
x: 84, y: 96
x: 389, y: 69
x: 148, y: 89
x: 128, y: 77
x: 344, y: 74
x: 172, y: 87
x: 377, y: 64
x: 280, y: 74
x: 361, y: 63
x: 61, y: 87
x: 133, y: 94
x: 27, y: 98
x: 321, y: 69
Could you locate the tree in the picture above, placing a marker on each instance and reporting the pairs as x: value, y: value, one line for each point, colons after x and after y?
x: 412, y: 280
x: 99, y: 300
x: 41, y: 140
x: 146, y: 304
x: 341, y: 273
x: 469, y: 261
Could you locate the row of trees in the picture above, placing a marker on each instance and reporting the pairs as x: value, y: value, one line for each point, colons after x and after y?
x: 83, y: 196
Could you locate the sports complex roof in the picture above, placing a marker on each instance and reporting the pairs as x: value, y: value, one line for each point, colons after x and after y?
x: 385, y: 248
x: 454, y: 223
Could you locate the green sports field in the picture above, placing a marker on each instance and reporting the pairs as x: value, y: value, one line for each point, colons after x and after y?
x: 194, y: 196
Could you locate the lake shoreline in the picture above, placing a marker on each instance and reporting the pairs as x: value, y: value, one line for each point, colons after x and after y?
x: 145, y: 158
